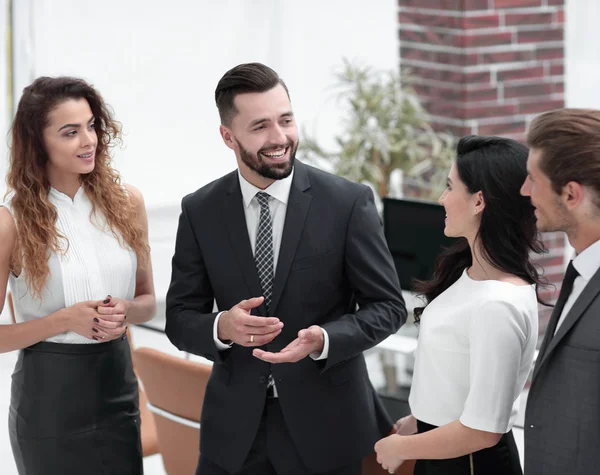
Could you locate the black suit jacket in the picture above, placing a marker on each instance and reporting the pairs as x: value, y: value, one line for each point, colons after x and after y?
x: 562, y: 420
x: 333, y: 256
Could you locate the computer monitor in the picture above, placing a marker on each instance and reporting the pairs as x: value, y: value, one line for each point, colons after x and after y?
x: 414, y: 231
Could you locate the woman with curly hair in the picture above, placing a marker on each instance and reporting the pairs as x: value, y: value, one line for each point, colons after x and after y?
x: 74, y: 247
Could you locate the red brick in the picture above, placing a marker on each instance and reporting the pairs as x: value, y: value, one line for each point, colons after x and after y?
x: 456, y: 130
x: 521, y: 73
x: 553, y: 240
x: 514, y: 127
x: 434, y: 19
x: 436, y: 4
x: 555, y: 278
x: 522, y: 138
x: 455, y: 39
x: 552, y: 261
x: 506, y: 57
x: 450, y: 109
x: 550, y: 53
x: 478, y: 77
x: 517, y: 3
x: 557, y: 70
x: 527, y: 90
x: 528, y: 19
x: 537, y: 107
x: 453, y: 5
x: 481, y: 21
x: 493, y: 110
x: 560, y: 17
x: 409, y: 53
x: 442, y: 75
x: 430, y: 37
x: 556, y: 2
x: 493, y: 39
x: 426, y: 91
x: 538, y: 36
x: 558, y: 88
x: 487, y: 94
x: 471, y: 5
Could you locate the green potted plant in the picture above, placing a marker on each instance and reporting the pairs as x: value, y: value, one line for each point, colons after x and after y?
x: 387, y: 143
x: 385, y: 135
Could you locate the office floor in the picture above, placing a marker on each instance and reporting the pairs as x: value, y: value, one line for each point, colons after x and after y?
x: 143, y: 337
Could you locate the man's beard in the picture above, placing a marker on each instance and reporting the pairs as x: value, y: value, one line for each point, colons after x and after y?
x: 272, y: 171
x: 555, y: 219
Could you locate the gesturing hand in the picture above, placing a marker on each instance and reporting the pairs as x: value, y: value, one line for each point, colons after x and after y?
x: 238, y: 326
x: 309, y: 341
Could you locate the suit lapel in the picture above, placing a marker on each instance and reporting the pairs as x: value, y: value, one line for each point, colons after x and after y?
x: 235, y: 219
x: 297, y: 209
x: 591, y: 290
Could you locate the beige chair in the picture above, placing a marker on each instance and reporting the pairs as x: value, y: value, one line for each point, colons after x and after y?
x: 148, y: 429
x: 175, y: 389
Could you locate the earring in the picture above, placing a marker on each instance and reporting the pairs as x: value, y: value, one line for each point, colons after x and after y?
x: 475, y: 211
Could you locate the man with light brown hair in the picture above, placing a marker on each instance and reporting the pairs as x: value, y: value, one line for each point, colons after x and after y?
x: 562, y: 420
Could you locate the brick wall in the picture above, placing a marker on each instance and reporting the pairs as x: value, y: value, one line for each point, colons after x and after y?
x: 488, y: 67
x: 484, y: 67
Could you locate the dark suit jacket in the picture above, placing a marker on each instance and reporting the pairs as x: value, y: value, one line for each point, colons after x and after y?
x: 333, y: 256
x: 562, y: 420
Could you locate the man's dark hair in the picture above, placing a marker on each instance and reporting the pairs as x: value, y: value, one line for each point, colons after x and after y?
x: 243, y: 78
x: 569, y: 141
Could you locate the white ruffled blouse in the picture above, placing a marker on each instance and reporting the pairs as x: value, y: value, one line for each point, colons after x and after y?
x: 94, y: 266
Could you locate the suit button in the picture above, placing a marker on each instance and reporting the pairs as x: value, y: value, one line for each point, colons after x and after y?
x: 263, y: 379
x: 531, y: 426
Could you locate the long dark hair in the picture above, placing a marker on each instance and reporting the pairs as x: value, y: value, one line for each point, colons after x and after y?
x: 507, y: 232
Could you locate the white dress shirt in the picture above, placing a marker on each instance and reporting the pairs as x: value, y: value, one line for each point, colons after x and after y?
x: 475, y: 350
x: 586, y: 263
x: 279, y: 192
x: 95, y: 265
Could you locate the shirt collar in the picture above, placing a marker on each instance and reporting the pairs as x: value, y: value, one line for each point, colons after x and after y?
x: 587, y: 261
x: 279, y: 189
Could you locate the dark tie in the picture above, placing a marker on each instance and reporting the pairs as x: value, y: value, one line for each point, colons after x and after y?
x: 565, y: 291
x: 263, y: 251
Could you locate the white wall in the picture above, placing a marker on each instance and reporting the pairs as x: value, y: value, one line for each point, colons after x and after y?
x: 157, y: 64
x: 582, y: 65
x: 4, y: 119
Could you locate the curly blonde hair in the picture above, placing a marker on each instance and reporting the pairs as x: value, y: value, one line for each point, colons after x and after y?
x: 35, y: 216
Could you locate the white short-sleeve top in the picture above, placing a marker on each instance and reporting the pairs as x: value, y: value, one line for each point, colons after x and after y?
x: 476, y: 345
x: 94, y: 266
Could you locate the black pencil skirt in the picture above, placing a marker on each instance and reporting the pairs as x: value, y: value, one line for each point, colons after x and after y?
x: 74, y: 410
x: 501, y: 459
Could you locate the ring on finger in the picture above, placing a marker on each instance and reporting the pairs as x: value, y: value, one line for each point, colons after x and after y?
x: 251, y: 338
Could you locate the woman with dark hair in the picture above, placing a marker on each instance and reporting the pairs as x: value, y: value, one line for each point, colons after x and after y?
x: 478, y: 330
x: 74, y: 247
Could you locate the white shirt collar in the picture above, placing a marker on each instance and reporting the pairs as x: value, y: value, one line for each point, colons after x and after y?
x: 587, y: 261
x: 279, y: 189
